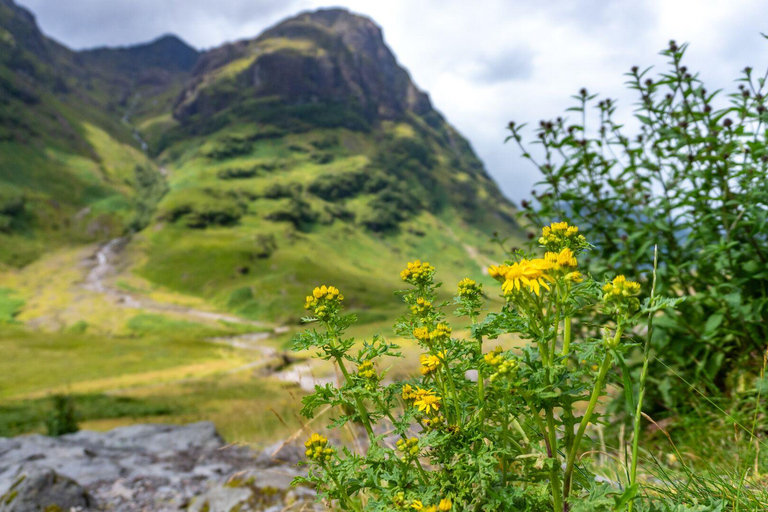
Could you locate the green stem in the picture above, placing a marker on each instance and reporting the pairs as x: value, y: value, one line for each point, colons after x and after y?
x: 342, y: 491
x: 505, y: 437
x: 340, y: 361
x: 554, y: 472
x: 587, y: 416
x: 454, y: 395
x: 566, y: 335
x: 358, y: 402
x: 552, y: 347
x: 643, y: 376
x: 567, y: 407
x: 480, y: 376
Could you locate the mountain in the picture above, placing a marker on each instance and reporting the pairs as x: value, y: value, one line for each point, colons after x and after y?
x: 69, y: 161
x: 245, y: 174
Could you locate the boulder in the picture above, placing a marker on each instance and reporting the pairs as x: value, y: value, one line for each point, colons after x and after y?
x: 44, y: 489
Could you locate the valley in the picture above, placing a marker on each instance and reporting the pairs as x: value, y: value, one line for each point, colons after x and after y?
x: 164, y: 212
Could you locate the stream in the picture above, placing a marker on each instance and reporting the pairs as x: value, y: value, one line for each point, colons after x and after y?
x: 273, y: 362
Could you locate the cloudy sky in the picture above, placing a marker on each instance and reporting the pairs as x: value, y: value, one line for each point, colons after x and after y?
x: 484, y: 62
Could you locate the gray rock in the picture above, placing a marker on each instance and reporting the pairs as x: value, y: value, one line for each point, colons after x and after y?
x: 40, y: 489
x: 222, y: 499
x: 161, y: 440
x: 281, y: 454
x: 161, y: 468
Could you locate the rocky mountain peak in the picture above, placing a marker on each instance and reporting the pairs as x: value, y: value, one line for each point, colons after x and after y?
x: 329, y: 56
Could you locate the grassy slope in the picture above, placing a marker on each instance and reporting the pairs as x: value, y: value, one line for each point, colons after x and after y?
x: 210, y: 262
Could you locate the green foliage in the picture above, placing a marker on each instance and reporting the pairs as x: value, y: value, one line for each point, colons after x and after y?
x: 61, y: 420
x: 25, y: 416
x: 10, y: 305
x: 691, y: 181
x: 510, y: 437
x: 336, y: 186
x: 150, y: 189
x: 202, y: 213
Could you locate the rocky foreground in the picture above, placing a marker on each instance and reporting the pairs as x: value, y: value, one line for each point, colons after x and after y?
x: 151, y: 468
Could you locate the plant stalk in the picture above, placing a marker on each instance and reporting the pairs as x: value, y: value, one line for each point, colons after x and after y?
x: 587, y: 416
x: 643, y: 377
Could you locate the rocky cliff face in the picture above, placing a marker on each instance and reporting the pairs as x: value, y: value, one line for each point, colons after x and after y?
x: 327, y: 56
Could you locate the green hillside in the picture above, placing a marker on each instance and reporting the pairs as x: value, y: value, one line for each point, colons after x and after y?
x: 69, y: 160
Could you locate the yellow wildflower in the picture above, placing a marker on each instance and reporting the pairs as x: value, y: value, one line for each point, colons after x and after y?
x: 441, y: 333
x: 421, y: 334
x: 469, y: 289
x: 558, y: 260
x: 410, y: 447
x: 445, y: 504
x: 498, y: 272
x: 317, y: 448
x: 417, y: 273
x: 408, y: 392
x: 366, y: 370
x: 422, y: 307
x: 620, y: 295
x: 620, y: 286
x: 427, y: 402
x: 430, y: 363
x: 559, y: 235
x: 531, y: 274
x: 574, y: 277
x: 324, y: 301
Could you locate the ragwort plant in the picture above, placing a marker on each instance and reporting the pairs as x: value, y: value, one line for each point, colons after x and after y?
x: 481, y: 428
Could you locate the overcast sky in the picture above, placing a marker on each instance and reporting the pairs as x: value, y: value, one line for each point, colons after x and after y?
x: 483, y: 62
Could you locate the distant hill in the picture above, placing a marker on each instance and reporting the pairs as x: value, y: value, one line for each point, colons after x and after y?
x: 247, y: 173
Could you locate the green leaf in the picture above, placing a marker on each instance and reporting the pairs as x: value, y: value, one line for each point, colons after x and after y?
x: 628, y: 495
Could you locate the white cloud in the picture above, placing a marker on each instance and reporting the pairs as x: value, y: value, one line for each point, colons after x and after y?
x: 483, y: 62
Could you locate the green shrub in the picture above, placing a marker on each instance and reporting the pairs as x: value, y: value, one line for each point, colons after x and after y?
x: 265, y: 246
x: 322, y: 158
x: 693, y: 181
x: 298, y: 212
x: 282, y: 190
x: 62, y: 419
x: 229, y: 148
x: 237, y: 174
x: 332, y: 187
x: 150, y: 189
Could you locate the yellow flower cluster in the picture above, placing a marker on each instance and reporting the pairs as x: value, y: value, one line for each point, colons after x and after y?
x: 430, y: 363
x: 469, y: 289
x: 502, y: 365
x: 433, y: 422
x: 530, y: 274
x: 366, y: 370
x: 444, y: 506
x: 620, y: 295
x: 559, y: 235
x: 620, y: 287
x: 564, y: 258
x: 324, y: 301
x: 440, y: 333
x: 318, y: 449
x: 418, y: 273
x: 422, y: 307
x: 409, y: 447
